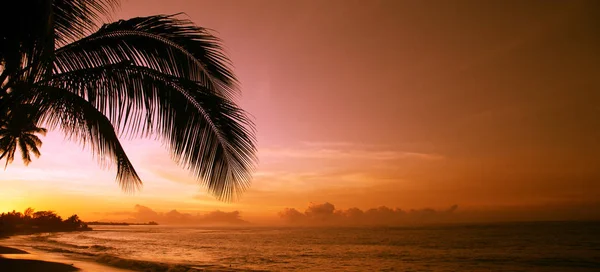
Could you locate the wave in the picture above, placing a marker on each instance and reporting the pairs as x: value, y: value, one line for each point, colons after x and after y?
x: 102, y: 239
x: 97, y: 253
x: 100, y: 247
x: 140, y: 265
x: 46, y: 240
x: 62, y: 250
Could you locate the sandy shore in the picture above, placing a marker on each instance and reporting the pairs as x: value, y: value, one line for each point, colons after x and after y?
x: 25, y: 259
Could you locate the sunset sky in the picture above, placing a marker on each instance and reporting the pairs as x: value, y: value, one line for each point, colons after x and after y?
x: 489, y: 105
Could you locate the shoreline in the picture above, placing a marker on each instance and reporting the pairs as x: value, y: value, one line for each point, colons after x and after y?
x: 16, y: 254
x: 21, y: 258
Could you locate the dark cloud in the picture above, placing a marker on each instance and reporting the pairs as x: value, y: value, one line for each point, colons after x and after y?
x: 146, y: 214
x: 326, y: 214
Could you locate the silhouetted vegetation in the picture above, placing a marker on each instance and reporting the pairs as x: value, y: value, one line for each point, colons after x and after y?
x: 18, y: 129
x: 156, y: 76
x: 152, y: 223
x: 31, y: 221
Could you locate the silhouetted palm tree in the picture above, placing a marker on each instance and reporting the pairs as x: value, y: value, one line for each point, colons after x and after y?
x: 157, y: 75
x: 17, y: 128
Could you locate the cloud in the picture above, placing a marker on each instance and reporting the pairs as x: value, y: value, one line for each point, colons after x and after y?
x: 326, y: 214
x: 327, y: 144
x: 220, y: 216
x: 345, y: 150
x: 292, y: 215
x: 146, y: 214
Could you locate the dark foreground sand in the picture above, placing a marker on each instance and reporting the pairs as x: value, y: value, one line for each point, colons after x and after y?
x: 9, y: 264
x: 17, y: 260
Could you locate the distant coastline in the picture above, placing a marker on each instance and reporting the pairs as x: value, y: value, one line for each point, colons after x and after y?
x: 97, y: 223
x: 30, y: 222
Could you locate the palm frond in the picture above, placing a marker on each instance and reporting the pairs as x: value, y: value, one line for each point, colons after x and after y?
x: 33, y: 142
x: 33, y: 139
x: 5, y: 145
x: 81, y: 121
x: 74, y: 19
x: 24, y: 35
x: 35, y: 129
x: 24, y: 151
x: 164, y: 43
x: 8, y: 148
x: 156, y: 75
x: 32, y: 28
x: 206, y: 132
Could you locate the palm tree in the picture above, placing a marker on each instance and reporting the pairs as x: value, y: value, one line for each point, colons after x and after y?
x: 17, y: 128
x: 158, y: 76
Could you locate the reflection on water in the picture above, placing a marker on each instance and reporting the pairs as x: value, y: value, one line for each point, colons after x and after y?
x: 559, y: 246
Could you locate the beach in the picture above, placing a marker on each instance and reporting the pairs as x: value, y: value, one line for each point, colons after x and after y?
x: 38, y: 252
x: 26, y: 259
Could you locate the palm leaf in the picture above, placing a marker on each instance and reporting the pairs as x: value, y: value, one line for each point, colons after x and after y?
x: 156, y: 75
x: 35, y: 129
x: 5, y: 145
x: 81, y: 121
x: 32, y: 142
x: 206, y: 132
x: 9, y: 145
x: 24, y: 151
x: 74, y: 19
x: 32, y: 28
x: 164, y: 43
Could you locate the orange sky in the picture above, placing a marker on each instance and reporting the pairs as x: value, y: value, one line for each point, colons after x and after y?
x: 410, y: 104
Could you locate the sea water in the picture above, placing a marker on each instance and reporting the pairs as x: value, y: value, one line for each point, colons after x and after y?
x: 540, y: 246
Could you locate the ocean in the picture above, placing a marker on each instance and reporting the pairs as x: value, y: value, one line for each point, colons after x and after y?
x: 540, y: 246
